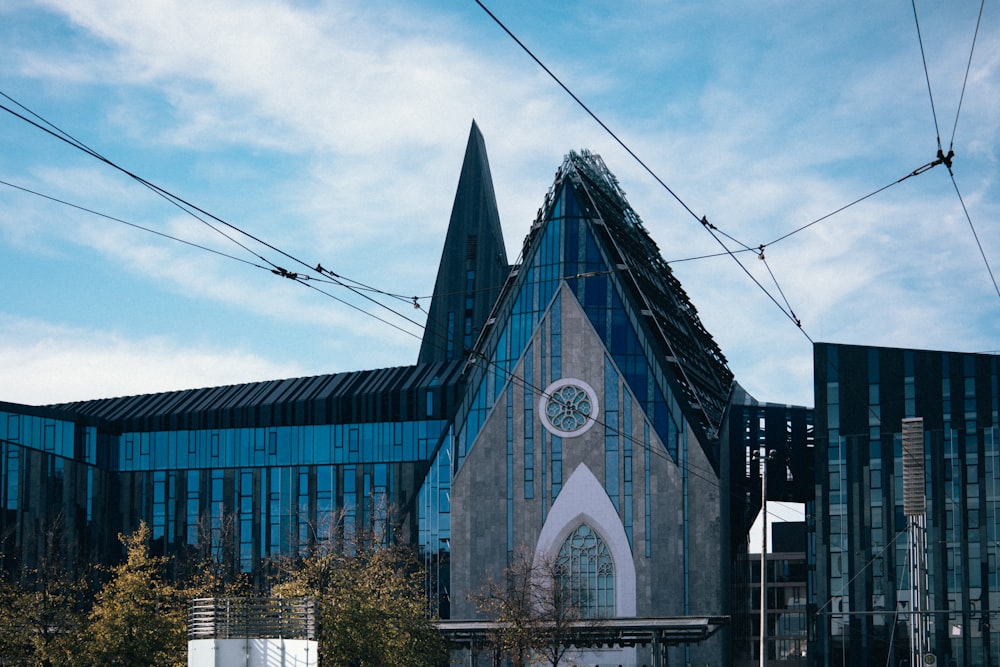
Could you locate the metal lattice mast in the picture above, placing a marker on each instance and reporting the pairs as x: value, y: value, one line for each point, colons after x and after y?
x: 914, y: 508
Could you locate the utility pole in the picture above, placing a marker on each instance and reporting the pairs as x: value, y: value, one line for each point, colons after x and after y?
x: 763, y: 455
x: 914, y: 508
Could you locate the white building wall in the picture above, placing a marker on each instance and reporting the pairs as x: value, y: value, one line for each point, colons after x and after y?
x: 253, y: 653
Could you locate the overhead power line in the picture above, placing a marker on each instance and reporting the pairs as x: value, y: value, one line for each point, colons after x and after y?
x: 295, y: 277
x: 968, y: 68
x: 587, y: 109
x: 915, y: 172
x: 713, y: 231
x: 979, y: 244
x: 927, y: 76
x: 130, y: 224
x: 946, y: 159
x: 197, y: 212
x: 60, y: 134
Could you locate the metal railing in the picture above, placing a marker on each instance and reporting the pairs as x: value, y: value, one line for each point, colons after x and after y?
x: 256, y: 618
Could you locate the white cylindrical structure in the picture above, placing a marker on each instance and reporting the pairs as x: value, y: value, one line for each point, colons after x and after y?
x: 272, y: 652
x: 252, y: 632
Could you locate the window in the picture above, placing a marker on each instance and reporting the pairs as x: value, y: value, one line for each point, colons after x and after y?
x: 587, y: 572
x: 568, y: 407
x: 14, y: 427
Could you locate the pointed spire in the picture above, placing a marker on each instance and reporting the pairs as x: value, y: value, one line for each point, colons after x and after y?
x: 473, y: 263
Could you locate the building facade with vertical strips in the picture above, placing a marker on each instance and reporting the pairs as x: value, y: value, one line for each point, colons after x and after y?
x: 861, y: 578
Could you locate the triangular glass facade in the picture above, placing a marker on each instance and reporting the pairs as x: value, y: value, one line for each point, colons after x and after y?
x: 588, y: 235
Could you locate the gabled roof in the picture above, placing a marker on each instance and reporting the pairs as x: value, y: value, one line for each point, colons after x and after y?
x: 698, y: 363
x: 587, y: 235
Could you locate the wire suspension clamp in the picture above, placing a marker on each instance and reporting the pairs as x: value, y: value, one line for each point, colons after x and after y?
x: 945, y: 159
x: 942, y: 158
x: 285, y: 273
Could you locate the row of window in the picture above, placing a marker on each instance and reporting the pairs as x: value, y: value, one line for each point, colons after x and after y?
x: 255, y: 511
x: 282, y: 446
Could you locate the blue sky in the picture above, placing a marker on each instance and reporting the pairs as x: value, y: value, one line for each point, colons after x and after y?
x: 334, y: 131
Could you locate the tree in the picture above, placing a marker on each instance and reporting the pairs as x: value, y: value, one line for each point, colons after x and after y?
x: 52, y: 608
x: 138, y: 619
x: 41, y: 622
x: 210, y: 568
x: 15, y: 643
x: 44, y: 607
x: 559, y: 613
x: 508, y: 602
x: 534, y: 610
x: 370, y: 601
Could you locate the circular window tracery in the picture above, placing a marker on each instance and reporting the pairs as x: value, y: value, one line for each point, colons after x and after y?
x: 568, y: 407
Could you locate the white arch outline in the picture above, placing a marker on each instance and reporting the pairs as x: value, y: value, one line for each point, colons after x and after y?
x: 584, y: 500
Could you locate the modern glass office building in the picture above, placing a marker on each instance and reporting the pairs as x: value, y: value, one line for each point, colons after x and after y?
x: 252, y: 472
x: 889, y: 583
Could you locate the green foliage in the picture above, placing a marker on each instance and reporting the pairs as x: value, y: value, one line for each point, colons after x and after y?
x: 138, y: 619
x: 15, y: 637
x: 370, y: 602
x: 371, y: 605
x: 44, y: 608
x: 207, y: 571
x: 53, y: 613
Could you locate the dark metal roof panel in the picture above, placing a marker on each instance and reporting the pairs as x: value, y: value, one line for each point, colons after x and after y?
x: 152, y: 410
x: 701, y: 370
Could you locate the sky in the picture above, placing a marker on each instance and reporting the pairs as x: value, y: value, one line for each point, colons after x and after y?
x: 332, y: 133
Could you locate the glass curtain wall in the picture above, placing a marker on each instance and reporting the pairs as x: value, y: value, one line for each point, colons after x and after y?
x: 860, y: 605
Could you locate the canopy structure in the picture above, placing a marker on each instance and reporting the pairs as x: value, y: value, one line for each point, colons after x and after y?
x: 609, y: 632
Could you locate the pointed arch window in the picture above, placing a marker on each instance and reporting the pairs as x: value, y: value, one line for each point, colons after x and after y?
x: 587, y: 571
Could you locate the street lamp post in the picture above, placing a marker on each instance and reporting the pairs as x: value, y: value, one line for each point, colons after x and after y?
x: 763, y: 455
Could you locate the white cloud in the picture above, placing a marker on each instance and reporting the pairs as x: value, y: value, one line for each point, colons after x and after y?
x: 54, y: 363
x: 335, y: 130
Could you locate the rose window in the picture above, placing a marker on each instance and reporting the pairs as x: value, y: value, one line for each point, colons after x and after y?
x: 568, y: 407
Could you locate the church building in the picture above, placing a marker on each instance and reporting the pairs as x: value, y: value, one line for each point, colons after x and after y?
x: 569, y: 405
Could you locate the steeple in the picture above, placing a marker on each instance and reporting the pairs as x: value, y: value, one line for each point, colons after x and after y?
x: 473, y: 263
